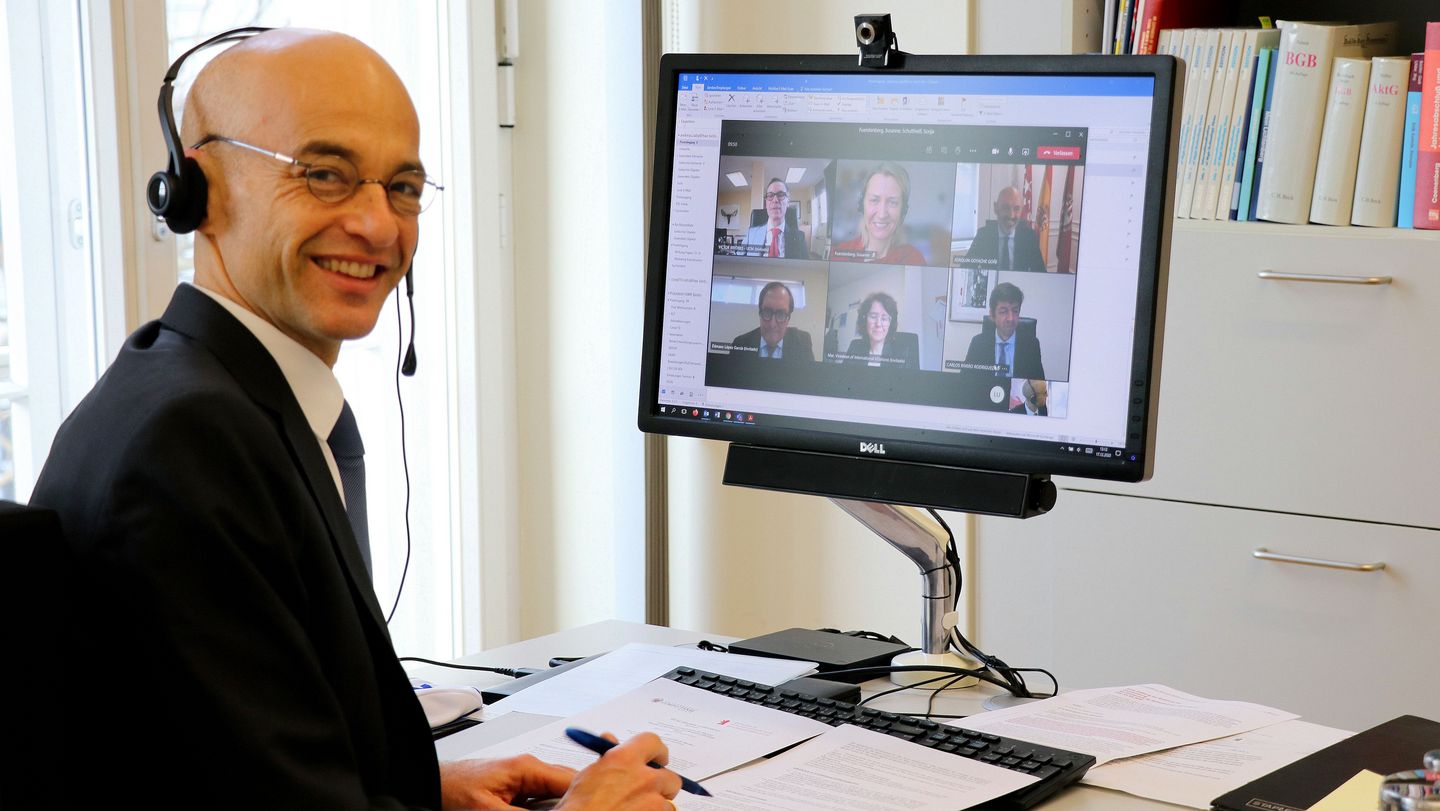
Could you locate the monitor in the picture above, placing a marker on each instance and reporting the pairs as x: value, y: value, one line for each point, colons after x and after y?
x: 935, y: 284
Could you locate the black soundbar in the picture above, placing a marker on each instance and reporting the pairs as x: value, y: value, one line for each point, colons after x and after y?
x: 987, y: 492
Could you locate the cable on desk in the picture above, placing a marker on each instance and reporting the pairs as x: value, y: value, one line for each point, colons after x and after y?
x: 513, y: 672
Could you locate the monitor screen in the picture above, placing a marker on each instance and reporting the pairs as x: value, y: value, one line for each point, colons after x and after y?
x: 957, y: 262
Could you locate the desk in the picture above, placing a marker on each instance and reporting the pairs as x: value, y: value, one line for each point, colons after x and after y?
x: 610, y: 634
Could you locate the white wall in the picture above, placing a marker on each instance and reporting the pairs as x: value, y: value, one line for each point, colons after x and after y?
x: 747, y: 561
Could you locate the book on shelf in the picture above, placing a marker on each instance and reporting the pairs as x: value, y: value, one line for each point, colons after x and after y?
x: 1123, y: 22
x: 1249, y: 134
x: 1195, y: 108
x: 1186, y: 52
x: 1427, y: 155
x: 1334, y: 187
x: 1302, y: 77
x: 1405, y: 205
x: 1137, y: 14
x: 1210, y: 131
x: 1155, y: 17
x: 1166, y: 44
x: 1253, y: 190
x: 1107, y: 35
x: 1227, y: 174
x: 1212, y: 169
x: 1376, y: 188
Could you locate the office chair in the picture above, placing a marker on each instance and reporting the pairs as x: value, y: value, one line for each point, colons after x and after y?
x: 35, y: 692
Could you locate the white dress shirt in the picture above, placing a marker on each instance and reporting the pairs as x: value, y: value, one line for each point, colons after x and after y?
x: 313, y: 383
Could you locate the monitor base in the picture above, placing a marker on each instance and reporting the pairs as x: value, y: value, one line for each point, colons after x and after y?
x: 913, y: 678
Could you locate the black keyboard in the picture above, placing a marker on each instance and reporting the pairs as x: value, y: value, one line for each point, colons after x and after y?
x: 1056, y: 768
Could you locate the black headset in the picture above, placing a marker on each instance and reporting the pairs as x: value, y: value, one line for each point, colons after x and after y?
x: 177, y: 193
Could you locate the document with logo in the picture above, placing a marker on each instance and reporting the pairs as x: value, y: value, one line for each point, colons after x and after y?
x: 854, y: 769
x: 706, y: 733
x: 1193, y: 775
x: 1118, y: 722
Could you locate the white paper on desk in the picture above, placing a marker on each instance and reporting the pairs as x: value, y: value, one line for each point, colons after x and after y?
x: 854, y: 769
x: 1117, y: 722
x: 627, y: 667
x: 1196, y: 774
x: 706, y: 733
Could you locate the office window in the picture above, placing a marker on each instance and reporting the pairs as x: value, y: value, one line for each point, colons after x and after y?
x: 48, y: 298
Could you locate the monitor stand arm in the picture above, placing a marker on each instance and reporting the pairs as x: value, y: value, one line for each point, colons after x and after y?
x: 921, y: 540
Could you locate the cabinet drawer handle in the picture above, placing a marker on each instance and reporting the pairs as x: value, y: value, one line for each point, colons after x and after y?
x: 1265, y: 554
x: 1276, y: 275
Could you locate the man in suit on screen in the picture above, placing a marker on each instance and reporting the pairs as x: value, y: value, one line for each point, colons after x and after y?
x: 1008, y: 239
x: 1012, y: 352
x: 775, y: 237
x: 775, y: 339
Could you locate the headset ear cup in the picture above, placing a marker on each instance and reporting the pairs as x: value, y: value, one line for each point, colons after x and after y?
x: 180, y: 199
x: 187, y: 205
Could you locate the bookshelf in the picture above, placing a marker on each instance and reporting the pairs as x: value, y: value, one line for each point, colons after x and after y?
x: 1282, y: 427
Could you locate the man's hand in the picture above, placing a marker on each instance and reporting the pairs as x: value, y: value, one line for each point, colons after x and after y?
x: 623, y: 779
x: 496, y: 784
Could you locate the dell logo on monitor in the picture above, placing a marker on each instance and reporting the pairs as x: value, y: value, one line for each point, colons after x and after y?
x: 872, y: 447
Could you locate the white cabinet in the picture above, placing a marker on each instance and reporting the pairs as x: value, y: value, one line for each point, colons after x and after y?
x: 1108, y: 590
x: 1298, y: 417
x: 1298, y: 396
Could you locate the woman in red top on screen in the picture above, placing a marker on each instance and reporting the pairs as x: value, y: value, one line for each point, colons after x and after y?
x: 883, y: 203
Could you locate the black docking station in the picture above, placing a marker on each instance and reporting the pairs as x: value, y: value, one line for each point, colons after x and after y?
x: 831, y: 651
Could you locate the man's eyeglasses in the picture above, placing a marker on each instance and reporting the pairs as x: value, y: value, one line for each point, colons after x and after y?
x: 768, y: 314
x: 332, y: 179
x: 776, y: 195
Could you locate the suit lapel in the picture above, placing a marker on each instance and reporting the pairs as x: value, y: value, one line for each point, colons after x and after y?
x: 194, y: 314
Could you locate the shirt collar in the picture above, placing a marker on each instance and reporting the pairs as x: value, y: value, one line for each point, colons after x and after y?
x: 313, y: 383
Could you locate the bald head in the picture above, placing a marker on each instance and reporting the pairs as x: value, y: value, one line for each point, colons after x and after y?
x: 279, y: 72
x: 1008, y: 206
x: 316, y: 266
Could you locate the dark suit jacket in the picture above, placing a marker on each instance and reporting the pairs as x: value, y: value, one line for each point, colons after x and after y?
x: 908, y: 351
x: 1026, y: 362
x: 795, y: 348
x: 792, y: 245
x: 1027, y: 246
x: 1020, y: 409
x: 242, y: 658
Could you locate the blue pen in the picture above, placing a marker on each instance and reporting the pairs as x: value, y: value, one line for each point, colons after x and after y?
x: 600, y: 746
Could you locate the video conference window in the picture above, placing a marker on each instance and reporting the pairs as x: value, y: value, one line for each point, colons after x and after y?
x: 930, y: 265
x: 1017, y: 217
x: 770, y: 208
x: 893, y: 212
x: 767, y: 311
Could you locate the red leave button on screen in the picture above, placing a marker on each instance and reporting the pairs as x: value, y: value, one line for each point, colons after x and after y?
x: 1061, y: 153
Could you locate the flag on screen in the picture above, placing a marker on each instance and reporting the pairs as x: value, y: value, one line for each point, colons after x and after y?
x: 1042, y: 216
x: 1064, y: 259
x: 1026, y: 192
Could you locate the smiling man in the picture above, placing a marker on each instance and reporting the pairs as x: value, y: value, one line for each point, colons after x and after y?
x: 220, y: 581
x: 1011, y: 352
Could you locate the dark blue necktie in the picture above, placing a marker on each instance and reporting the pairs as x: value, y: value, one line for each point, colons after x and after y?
x: 349, y: 453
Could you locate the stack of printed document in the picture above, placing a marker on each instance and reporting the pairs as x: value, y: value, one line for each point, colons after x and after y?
x: 836, y: 768
x: 1157, y: 742
x: 1148, y: 740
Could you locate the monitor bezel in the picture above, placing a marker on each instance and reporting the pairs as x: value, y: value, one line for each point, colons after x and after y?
x: 979, y: 451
